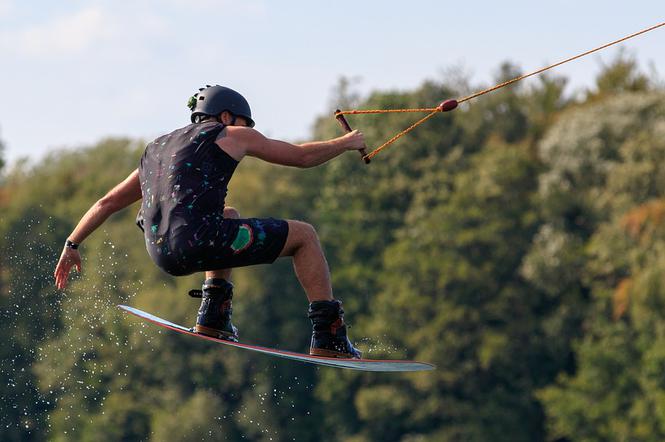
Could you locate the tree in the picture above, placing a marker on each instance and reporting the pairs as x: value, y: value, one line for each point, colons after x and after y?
x: 622, y: 75
x: 517, y: 243
x: 98, y: 370
x: 440, y: 223
x: 616, y: 390
x: 2, y: 156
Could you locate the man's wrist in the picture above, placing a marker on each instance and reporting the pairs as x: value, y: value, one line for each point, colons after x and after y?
x: 71, y: 245
x: 343, y: 143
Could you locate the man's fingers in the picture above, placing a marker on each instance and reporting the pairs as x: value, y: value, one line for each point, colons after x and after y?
x: 61, y: 273
x: 62, y: 282
x: 63, y: 268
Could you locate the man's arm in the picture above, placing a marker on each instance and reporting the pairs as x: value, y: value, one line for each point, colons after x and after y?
x: 241, y: 141
x: 121, y: 196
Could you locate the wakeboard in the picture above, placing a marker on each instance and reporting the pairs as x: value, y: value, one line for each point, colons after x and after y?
x: 352, y: 364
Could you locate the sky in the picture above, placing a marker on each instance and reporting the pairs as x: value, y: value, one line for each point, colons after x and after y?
x: 75, y: 72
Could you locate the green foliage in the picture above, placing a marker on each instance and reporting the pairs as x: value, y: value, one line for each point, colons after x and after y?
x: 622, y: 75
x: 98, y: 370
x: 518, y: 243
x: 450, y: 282
x: 616, y: 391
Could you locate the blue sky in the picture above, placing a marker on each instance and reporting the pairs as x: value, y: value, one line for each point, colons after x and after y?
x: 76, y: 71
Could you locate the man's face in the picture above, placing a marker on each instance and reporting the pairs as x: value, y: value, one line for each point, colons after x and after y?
x: 228, y: 119
x: 241, y: 121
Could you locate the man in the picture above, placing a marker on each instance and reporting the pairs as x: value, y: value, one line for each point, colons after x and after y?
x: 182, y: 180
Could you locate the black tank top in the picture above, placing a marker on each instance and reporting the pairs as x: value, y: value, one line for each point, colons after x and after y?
x: 184, y: 177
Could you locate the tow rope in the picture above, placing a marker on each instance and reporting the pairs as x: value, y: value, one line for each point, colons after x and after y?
x: 451, y: 104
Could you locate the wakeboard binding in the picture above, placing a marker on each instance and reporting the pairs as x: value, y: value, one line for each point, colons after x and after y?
x: 214, y: 315
x: 329, y: 338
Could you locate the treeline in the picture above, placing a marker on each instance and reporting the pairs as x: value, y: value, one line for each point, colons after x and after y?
x: 518, y: 243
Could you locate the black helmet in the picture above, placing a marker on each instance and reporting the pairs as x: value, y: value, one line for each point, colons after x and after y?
x: 213, y: 100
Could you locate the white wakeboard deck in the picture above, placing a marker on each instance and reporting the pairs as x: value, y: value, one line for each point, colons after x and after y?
x: 353, y: 364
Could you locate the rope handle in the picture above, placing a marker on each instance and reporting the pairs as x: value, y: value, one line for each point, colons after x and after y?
x: 347, y: 128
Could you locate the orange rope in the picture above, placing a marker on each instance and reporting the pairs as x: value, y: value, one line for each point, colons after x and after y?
x: 522, y: 77
x: 385, y: 111
x: 434, y: 110
x: 371, y: 155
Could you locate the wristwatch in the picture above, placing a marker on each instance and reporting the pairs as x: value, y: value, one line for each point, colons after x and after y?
x: 71, y: 245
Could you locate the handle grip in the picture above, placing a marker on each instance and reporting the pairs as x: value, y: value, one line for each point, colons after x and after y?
x: 347, y: 128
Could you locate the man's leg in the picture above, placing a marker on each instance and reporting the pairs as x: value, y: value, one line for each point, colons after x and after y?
x: 309, y: 262
x: 214, y: 315
x: 231, y: 213
x: 329, y: 338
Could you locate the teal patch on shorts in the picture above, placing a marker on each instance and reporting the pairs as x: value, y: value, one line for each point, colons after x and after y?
x: 243, y: 239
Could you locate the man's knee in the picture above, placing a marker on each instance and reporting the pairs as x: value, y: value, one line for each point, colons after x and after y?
x: 231, y: 213
x: 300, y: 234
x: 307, y: 233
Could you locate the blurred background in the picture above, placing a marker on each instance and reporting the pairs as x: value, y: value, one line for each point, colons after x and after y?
x: 518, y: 242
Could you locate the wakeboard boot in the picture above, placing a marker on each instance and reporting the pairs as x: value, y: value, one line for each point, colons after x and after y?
x: 329, y: 337
x: 214, y: 316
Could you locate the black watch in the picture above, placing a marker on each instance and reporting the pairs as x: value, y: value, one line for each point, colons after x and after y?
x: 71, y: 245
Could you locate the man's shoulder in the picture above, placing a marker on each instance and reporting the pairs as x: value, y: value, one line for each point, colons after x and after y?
x: 235, y: 140
x: 240, y: 135
x: 240, y: 131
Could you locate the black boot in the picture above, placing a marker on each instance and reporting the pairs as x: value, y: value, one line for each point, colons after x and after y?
x: 214, y: 318
x: 329, y: 331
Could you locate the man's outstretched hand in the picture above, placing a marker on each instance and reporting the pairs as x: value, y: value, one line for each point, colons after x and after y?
x: 68, y: 259
x: 355, y: 140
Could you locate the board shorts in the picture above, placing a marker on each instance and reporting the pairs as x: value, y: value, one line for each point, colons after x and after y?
x: 231, y: 243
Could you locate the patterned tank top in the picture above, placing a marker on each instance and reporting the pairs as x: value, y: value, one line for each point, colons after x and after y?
x: 184, y: 177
